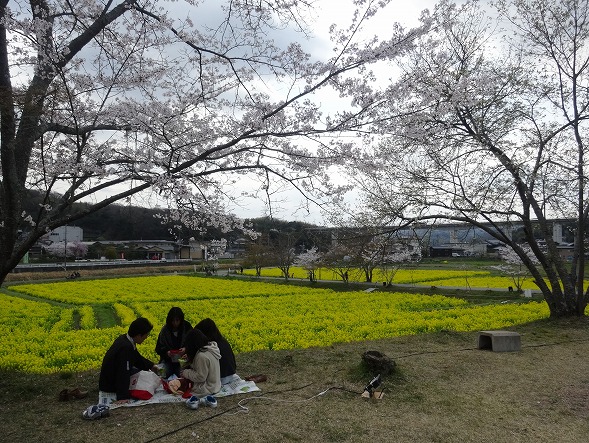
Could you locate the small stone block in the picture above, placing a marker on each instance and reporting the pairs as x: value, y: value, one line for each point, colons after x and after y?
x: 500, y: 341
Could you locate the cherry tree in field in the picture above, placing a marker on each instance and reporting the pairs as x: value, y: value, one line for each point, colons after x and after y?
x: 368, y: 255
x: 309, y: 260
x: 74, y: 249
x: 357, y: 252
x: 393, y: 260
x: 283, y: 257
x: 487, y: 125
x: 257, y: 255
x: 513, y: 265
x: 169, y: 102
x: 339, y: 259
x: 215, y: 250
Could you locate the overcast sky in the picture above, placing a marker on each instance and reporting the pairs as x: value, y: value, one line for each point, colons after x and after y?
x: 330, y: 12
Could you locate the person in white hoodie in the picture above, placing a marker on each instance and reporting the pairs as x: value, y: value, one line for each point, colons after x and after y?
x: 203, y: 368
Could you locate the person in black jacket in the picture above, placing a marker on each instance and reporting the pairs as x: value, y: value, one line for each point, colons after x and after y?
x: 122, y: 360
x: 170, y: 341
x: 227, y: 362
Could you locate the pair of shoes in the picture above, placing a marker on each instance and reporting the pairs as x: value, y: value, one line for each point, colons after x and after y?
x: 192, y: 402
x: 209, y: 400
x: 70, y: 394
x: 258, y: 378
x: 95, y: 412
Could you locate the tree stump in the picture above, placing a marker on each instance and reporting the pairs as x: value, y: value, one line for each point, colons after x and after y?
x: 378, y: 363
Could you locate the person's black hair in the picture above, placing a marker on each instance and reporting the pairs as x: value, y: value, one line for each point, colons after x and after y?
x: 210, y: 329
x: 195, y: 340
x: 140, y: 326
x: 173, y: 314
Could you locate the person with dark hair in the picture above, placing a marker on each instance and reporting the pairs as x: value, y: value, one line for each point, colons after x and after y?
x: 122, y: 360
x: 227, y: 362
x: 170, y: 341
x: 203, y: 364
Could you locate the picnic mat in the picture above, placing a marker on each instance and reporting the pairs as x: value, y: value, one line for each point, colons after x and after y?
x: 237, y: 386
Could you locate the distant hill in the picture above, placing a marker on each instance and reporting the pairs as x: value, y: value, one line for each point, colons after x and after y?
x: 126, y: 222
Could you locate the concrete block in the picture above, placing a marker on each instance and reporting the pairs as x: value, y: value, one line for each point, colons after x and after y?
x: 500, y: 341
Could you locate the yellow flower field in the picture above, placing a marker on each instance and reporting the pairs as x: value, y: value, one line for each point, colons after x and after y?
x: 418, y: 277
x: 403, y: 276
x: 41, y: 336
x: 163, y: 288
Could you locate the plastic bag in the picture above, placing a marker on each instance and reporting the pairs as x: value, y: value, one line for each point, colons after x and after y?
x: 143, y: 385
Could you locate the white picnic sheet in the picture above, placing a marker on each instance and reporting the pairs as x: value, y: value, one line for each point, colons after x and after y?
x: 237, y: 386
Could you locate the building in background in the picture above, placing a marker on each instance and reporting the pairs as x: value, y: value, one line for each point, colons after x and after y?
x: 65, y: 234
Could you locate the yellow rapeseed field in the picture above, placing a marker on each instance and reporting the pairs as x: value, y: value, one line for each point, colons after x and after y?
x: 39, y: 334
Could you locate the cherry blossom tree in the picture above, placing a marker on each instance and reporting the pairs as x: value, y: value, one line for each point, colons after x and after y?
x: 357, y: 252
x: 70, y: 249
x: 367, y: 249
x: 310, y: 260
x: 339, y: 259
x: 79, y: 249
x: 283, y: 256
x: 513, y: 265
x: 169, y: 102
x: 215, y: 249
x: 393, y: 260
x: 487, y: 124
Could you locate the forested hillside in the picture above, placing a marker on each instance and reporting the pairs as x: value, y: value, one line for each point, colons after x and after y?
x: 119, y: 222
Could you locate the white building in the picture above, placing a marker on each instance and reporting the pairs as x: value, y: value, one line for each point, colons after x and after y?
x: 67, y: 234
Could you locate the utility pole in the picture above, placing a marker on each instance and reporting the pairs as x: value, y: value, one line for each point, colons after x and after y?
x: 65, y: 248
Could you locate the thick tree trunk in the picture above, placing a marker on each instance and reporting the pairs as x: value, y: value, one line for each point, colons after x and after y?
x: 566, y: 304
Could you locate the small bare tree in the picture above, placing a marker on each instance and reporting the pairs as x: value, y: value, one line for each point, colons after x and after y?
x: 257, y: 256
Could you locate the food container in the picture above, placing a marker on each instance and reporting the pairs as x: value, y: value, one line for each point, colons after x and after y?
x: 161, y: 369
x: 175, y: 355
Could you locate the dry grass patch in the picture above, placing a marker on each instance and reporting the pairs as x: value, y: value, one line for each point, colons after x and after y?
x: 445, y: 390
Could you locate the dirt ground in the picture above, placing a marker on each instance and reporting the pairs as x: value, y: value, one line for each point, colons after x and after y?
x: 443, y: 390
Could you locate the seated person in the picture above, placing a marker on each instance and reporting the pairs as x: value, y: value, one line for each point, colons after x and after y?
x: 203, y: 364
x: 122, y: 360
x: 171, y: 338
x: 227, y: 362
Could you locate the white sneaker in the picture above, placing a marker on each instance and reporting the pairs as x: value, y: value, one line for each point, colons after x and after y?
x: 209, y: 400
x: 193, y: 402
